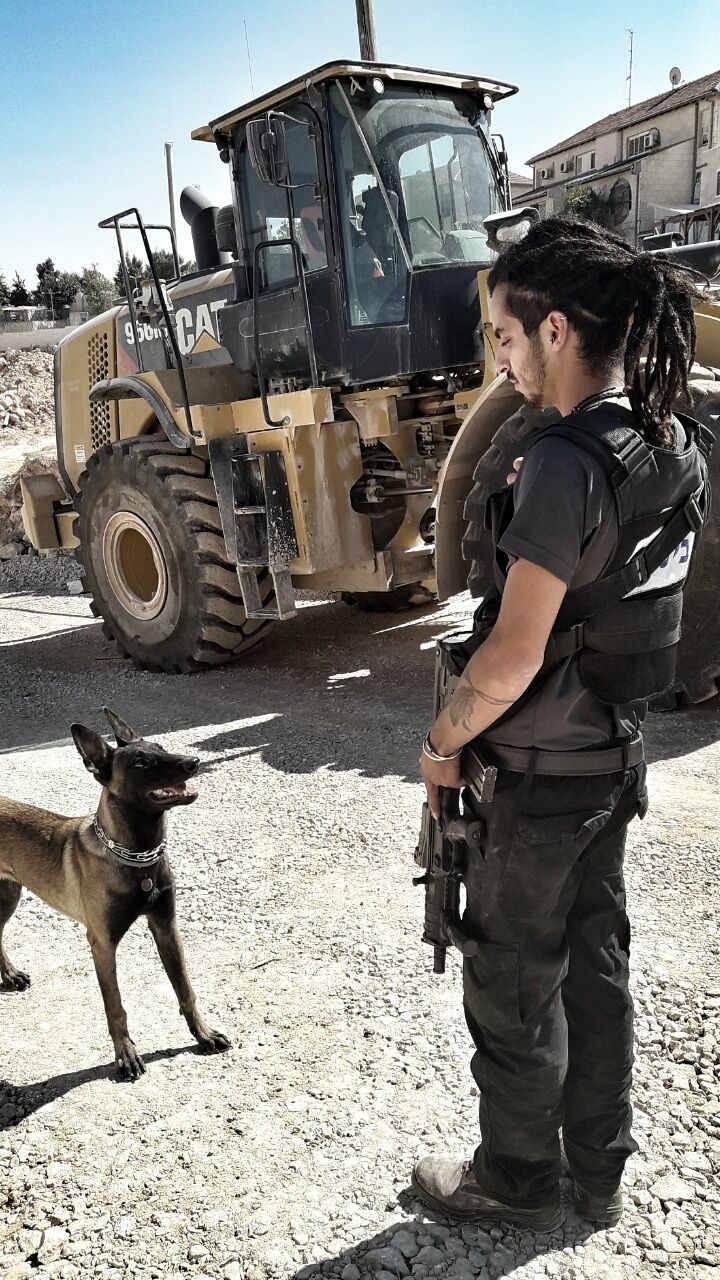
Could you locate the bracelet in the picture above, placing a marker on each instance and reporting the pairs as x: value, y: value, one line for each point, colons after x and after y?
x: 432, y: 754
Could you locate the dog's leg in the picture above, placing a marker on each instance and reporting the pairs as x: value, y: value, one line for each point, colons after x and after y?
x: 11, y: 979
x: 126, y: 1055
x: 163, y: 927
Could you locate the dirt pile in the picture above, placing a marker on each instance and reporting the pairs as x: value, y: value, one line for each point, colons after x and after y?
x: 26, y: 395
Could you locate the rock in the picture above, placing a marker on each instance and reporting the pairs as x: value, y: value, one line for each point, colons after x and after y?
x: 387, y: 1259
x: 406, y: 1243
x: 196, y: 1252
x: 51, y: 1244
x: 350, y: 1272
x: 670, y: 1188
x: 9, y: 550
x: 232, y: 1271
x: 429, y: 1256
x: 75, y: 587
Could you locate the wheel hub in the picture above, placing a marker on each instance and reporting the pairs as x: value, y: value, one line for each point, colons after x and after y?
x: 135, y: 565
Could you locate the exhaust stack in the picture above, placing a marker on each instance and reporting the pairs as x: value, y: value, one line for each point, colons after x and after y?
x: 200, y: 213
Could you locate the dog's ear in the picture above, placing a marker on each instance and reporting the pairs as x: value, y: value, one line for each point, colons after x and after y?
x: 122, y: 731
x: 97, y: 754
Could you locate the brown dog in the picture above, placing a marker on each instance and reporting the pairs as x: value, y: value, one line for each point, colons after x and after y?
x: 108, y: 869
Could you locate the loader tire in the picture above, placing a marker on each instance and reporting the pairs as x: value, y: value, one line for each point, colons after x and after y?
x: 698, y: 668
x: 155, y: 560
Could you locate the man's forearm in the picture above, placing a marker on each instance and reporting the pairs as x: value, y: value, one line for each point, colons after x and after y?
x: 493, y: 680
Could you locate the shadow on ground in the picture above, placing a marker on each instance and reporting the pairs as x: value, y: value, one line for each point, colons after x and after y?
x: 17, y: 1102
x: 453, y: 1243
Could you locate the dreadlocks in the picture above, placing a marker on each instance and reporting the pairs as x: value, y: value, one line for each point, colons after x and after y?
x: 619, y: 302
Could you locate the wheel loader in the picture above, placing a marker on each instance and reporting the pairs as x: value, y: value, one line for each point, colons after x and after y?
x: 309, y: 409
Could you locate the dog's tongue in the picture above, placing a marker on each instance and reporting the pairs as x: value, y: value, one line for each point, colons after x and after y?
x: 182, y: 789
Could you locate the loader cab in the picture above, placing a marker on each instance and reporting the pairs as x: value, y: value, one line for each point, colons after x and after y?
x: 360, y: 194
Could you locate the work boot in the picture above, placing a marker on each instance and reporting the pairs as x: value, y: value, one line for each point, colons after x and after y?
x: 450, y: 1187
x: 603, y: 1211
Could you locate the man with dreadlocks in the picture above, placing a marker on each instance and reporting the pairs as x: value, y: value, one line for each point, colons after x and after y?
x: 592, y: 545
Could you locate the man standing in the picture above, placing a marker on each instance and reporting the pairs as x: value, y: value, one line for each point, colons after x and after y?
x: 592, y: 544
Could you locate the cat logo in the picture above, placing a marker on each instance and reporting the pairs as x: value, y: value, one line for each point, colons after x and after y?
x: 199, y: 332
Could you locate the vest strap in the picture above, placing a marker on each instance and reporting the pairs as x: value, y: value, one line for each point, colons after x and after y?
x: 585, y: 602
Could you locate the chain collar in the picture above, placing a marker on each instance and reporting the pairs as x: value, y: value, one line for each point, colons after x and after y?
x: 131, y: 857
x: 590, y: 401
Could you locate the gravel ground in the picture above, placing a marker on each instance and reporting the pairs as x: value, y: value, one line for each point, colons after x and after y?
x: 290, y: 1156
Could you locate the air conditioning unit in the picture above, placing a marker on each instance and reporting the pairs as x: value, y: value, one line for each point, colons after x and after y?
x: 567, y: 166
x: 547, y: 173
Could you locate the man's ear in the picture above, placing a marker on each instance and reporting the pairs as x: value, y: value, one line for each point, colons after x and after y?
x: 122, y: 731
x: 557, y: 329
x: 97, y: 754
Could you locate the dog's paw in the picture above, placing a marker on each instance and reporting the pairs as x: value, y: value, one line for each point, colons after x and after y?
x: 212, y: 1041
x: 129, y: 1063
x: 12, y: 979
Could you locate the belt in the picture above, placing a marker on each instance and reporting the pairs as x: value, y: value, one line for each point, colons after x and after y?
x: 614, y: 759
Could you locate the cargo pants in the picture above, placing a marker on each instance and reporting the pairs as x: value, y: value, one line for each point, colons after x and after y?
x: 546, y: 997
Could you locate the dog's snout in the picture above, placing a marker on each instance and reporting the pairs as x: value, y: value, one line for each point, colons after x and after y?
x: 192, y: 764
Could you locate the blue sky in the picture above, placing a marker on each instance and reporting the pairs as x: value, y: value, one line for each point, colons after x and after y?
x: 91, y: 91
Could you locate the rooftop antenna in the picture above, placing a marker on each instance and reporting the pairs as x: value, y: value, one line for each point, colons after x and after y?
x: 247, y: 46
x: 675, y: 76
x: 629, y: 76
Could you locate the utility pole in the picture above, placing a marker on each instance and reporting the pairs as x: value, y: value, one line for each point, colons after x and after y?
x: 366, y: 30
x: 171, y: 188
x: 629, y: 77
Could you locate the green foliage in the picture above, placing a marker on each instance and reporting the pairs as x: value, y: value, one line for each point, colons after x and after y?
x: 585, y: 202
x: 135, y: 271
x: 55, y: 289
x: 139, y: 270
x: 19, y: 294
x: 4, y: 291
x: 98, y: 290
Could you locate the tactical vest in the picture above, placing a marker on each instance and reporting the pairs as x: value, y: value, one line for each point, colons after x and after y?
x: 625, y: 626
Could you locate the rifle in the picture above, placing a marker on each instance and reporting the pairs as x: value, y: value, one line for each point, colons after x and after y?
x: 444, y: 845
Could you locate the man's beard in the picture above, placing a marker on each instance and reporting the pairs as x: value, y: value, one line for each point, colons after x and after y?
x: 536, y: 372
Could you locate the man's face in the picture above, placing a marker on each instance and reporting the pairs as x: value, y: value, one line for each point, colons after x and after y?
x: 520, y: 357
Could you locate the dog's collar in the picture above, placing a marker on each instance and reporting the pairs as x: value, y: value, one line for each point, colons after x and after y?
x: 132, y: 857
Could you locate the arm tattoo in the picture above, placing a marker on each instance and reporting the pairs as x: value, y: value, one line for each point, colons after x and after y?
x: 462, y: 703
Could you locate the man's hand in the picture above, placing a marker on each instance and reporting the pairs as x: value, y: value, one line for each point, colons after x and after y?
x: 435, y: 776
x: 514, y: 473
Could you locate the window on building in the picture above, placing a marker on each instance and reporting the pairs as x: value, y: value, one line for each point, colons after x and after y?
x: 717, y: 184
x: 696, y: 187
x: 642, y: 142
x: 705, y: 128
x: 585, y: 162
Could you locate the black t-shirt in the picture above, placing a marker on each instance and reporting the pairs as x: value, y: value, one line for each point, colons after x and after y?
x: 565, y: 521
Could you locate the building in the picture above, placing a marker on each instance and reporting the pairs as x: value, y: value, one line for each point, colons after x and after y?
x: 652, y: 167
x: 520, y: 185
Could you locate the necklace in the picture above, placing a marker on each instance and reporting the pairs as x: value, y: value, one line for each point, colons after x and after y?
x: 132, y: 857
x: 597, y: 396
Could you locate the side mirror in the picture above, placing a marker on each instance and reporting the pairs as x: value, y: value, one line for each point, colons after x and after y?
x: 510, y: 226
x: 267, y: 149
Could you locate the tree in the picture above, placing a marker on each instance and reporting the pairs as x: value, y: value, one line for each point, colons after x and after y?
x: 584, y: 202
x: 99, y: 291
x: 4, y: 291
x: 135, y: 270
x: 56, y: 289
x: 138, y: 269
x: 19, y: 294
